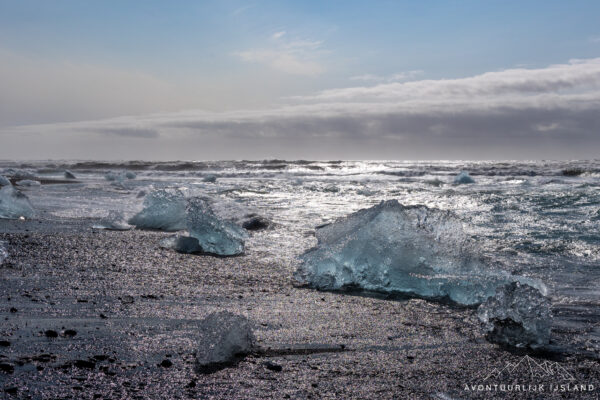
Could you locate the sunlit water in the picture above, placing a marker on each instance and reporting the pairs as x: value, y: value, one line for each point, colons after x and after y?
x: 538, y: 219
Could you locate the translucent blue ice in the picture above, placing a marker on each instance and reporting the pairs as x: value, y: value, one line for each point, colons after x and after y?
x: 518, y: 315
x: 163, y: 209
x: 396, y: 249
x: 4, y: 181
x: 14, y: 204
x: 214, y: 235
x: 463, y: 178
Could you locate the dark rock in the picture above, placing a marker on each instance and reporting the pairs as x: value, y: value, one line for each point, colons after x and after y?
x: 7, y: 368
x: 166, y: 363
x: 4, y: 343
x: 13, y: 310
x: 51, y: 333
x: 273, y: 367
x: 192, y: 384
x: 103, y: 316
x: 85, y: 364
x: 70, y: 332
x: 13, y: 390
x: 256, y: 223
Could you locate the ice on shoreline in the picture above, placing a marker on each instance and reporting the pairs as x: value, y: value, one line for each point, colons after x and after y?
x: 214, y: 235
x: 14, y: 204
x: 163, y: 210
x: 114, y: 221
x: 69, y: 175
x: 28, y: 183
x: 4, y: 181
x: 396, y: 249
x: 3, y: 251
x: 518, y: 315
x: 209, y: 178
x: 463, y: 178
x: 224, y: 338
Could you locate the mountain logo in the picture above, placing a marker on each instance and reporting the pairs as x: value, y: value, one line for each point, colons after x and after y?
x: 528, y: 366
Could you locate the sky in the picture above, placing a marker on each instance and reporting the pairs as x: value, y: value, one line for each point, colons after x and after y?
x: 225, y: 79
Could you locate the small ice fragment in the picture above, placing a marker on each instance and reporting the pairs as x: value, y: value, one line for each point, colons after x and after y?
x: 331, y: 189
x: 518, y: 315
x: 14, y: 204
x: 215, y: 235
x: 209, y: 178
x: 463, y: 178
x: 163, y: 209
x: 224, y: 339
x: 140, y: 194
x: 182, y: 244
x: 130, y: 175
x: 4, y: 181
x: 3, y: 251
x: 111, y: 176
x: 69, y: 175
x: 28, y: 183
x: 114, y: 221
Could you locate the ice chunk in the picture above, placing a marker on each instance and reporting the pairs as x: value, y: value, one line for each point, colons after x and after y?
x: 224, y: 339
x: 182, y: 244
x: 519, y: 315
x: 28, y: 183
x: 163, y: 209
x: 4, y: 181
x: 140, y: 194
x: 215, y: 235
x: 114, y: 221
x: 331, y: 189
x: 463, y: 178
x: 111, y: 176
x: 3, y: 251
x: 396, y: 249
x: 209, y: 178
x: 69, y: 175
x: 14, y: 204
x: 130, y: 175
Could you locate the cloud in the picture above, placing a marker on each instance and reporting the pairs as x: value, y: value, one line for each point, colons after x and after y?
x: 132, y: 132
x: 400, y: 76
x: 295, y: 57
x: 551, y: 112
x: 277, y: 35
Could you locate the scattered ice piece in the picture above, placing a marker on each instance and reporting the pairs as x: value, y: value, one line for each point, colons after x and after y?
x: 69, y: 174
x: 182, y: 244
x: 111, y: 176
x: 215, y: 235
x: 130, y: 175
x: 163, y: 209
x: 365, y: 192
x: 114, y: 222
x: 3, y: 251
x: 209, y: 178
x: 19, y: 174
x: 140, y: 194
x: 434, y: 182
x: 14, y: 204
x: 463, y: 178
x: 224, y: 339
x: 396, y: 249
x: 28, y: 183
x: 331, y: 189
x: 519, y: 315
x: 4, y: 181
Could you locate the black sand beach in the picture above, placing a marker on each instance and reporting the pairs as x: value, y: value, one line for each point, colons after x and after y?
x: 101, y: 314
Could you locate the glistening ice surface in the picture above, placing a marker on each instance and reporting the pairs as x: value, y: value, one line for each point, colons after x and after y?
x: 539, y: 220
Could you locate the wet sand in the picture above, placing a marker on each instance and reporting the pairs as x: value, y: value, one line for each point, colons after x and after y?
x: 125, y: 312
